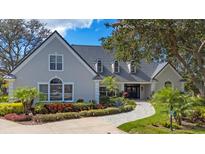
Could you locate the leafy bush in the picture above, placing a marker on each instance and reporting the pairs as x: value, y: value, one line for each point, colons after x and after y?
x: 6, y: 108
x: 40, y: 108
x: 16, y: 117
x: 59, y: 107
x: 80, y: 100
x: 196, y: 114
x: 174, y: 125
x: 104, y: 99
x: 83, y: 106
x: 129, y: 102
x: 4, y: 99
x: 55, y: 117
x: 127, y: 108
x: 112, y: 101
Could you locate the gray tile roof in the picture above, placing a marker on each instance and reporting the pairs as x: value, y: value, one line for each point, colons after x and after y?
x: 144, y: 72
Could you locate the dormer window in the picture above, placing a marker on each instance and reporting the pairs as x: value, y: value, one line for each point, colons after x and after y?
x: 132, y: 67
x: 99, y: 66
x: 116, y: 67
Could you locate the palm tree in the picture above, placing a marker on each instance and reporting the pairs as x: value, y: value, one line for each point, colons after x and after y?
x: 176, y: 101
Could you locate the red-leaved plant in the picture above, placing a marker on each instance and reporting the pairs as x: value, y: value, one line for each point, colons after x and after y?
x: 18, y: 117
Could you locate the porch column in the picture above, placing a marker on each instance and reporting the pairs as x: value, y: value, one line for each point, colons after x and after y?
x: 11, y: 87
x: 97, y: 92
x: 153, y: 86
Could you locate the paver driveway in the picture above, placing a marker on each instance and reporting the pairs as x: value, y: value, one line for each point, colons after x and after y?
x: 91, y: 125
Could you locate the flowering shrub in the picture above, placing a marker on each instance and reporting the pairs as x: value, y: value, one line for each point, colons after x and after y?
x: 66, y: 107
x: 16, y: 117
x: 125, y: 94
x: 59, y: 107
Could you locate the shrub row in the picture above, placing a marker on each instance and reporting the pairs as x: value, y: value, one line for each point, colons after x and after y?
x: 41, y: 108
x: 73, y: 115
x: 6, y: 108
x: 55, y: 117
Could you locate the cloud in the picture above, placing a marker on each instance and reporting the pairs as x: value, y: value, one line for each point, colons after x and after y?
x: 62, y: 25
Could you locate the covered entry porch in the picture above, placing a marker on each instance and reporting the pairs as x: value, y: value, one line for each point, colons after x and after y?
x: 137, y: 90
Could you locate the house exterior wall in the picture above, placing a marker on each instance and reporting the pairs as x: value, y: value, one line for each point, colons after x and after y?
x: 37, y: 70
x: 167, y: 74
x: 147, y: 90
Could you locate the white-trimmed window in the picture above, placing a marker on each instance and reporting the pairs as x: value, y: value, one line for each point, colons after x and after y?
x: 55, y: 62
x: 99, y: 66
x: 43, y: 89
x: 116, y: 67
x: 132, y: 67
x: 56, y: 90
x: 68, y: 92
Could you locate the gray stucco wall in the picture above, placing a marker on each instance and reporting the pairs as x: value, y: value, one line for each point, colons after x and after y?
x: 37, y: 70
x: 168, y: 74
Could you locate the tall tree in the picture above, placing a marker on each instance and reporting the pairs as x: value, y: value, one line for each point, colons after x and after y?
x: 181, y: 42
x: 17, y: 38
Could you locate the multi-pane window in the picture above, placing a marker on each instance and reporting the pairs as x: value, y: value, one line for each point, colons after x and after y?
x: 43, y: 89
x: 103, y: 91
x: 56, y: 90
x: 99, y: 66
x: 116, y: 67
x: 56, y: 62
x: 68, y: 92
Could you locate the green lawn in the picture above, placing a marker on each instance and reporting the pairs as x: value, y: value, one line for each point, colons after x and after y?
x: 152, y: 125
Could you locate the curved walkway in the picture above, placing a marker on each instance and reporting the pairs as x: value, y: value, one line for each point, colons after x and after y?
x: 142, y: 110
x: 91, y: 125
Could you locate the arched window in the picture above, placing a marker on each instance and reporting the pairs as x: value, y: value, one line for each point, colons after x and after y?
x: 116, y: 67
x: 99, y: 66
x: 168, y: 84
x: 56, y: 90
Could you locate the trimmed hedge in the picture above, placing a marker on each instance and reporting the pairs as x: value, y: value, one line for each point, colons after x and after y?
x: 55, y: 117
x: 7, y: 108
x: 86, y: 113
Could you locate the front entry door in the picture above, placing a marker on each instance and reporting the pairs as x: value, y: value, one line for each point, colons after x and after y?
x: 133, y: 90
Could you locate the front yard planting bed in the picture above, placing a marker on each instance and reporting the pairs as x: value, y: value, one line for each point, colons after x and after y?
x: 50, y: 112
x: 42, y: 118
